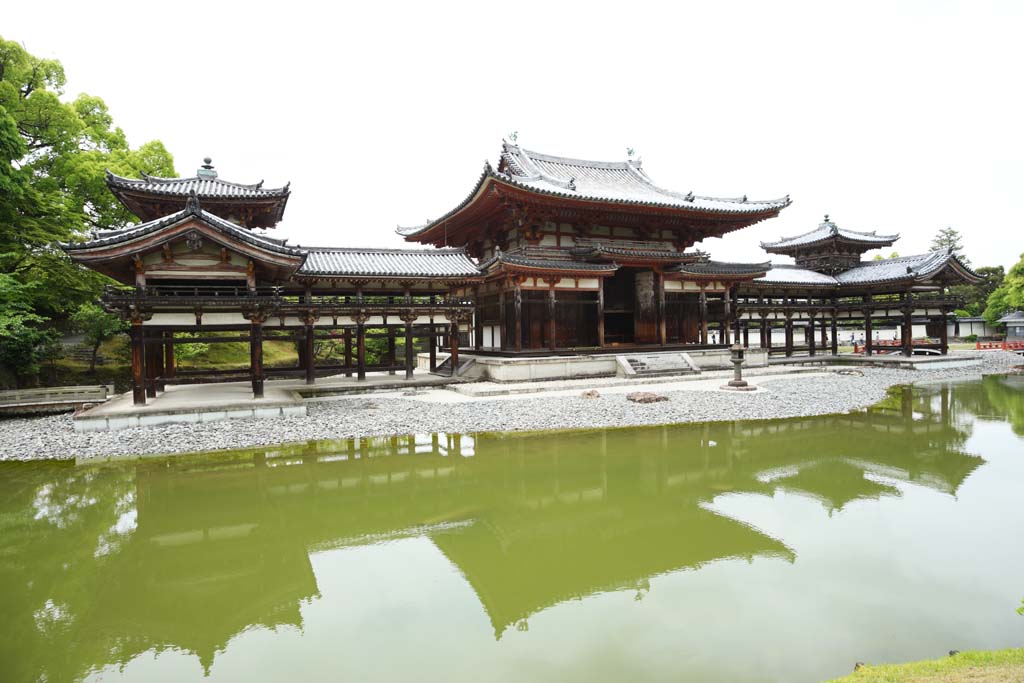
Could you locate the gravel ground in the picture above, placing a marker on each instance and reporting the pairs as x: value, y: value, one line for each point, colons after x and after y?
x: 370, y: 415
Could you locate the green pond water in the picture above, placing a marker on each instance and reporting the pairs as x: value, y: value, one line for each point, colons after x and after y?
x: 746, y: 551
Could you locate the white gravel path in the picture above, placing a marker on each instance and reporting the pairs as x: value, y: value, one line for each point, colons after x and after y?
x: 393, y: 413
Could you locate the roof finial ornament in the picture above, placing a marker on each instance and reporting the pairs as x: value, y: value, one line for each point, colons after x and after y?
x: 192, y: 203
x: 572, y: 184
x: 513, y: 136
x: 207, y: 170
x: 826, y: 218
x: 689, y: 196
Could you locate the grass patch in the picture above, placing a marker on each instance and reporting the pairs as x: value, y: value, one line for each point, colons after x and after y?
x: 978, y: 666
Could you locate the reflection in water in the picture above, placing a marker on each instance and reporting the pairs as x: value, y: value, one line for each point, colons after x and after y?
x: 102, y: 563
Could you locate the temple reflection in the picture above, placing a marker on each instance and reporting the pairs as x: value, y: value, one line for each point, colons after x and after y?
x: 218, y: 545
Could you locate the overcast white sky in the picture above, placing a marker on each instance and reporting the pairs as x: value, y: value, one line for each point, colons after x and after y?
x: 891, y: 116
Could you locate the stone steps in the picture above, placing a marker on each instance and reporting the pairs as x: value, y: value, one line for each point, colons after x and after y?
x: 656, y: 364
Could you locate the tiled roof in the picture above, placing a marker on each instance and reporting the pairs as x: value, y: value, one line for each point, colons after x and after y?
x: 721, y: 268
x: 191, y: 210
x: 920, y: 267
x: 204, y: 187
x: 828, y: 230
x: 389, y: 262
x: 544, y: 260
x: 792, y: 275
x: 1017, y: 318
x: 620, y: 182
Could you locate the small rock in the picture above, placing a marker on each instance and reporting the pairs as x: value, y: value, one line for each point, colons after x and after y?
x: 858, y: 666
x: 591, y: 393
x: 645, y: 397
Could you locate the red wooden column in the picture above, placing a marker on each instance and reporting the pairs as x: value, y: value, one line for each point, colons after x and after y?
x: 478, y: 317
x: 600, y: 311
x: 869, y: 344
x: 138, y: 363
x: 170, y: 363
x: 391, y: 350
x: 151, y: 352
x: 789, y: 333
x: 811, y: 350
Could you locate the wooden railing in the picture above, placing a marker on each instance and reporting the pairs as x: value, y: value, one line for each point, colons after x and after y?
x: 923, y: 343
x: 999, y: 346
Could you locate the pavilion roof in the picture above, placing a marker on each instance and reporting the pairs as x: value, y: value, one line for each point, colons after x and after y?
x: 606, y: 182
x: 149, y: 197
x: 389, y: 262
x: 827, y: 231
x: 545, y: 259
x: 899, y: 270
x: 192, y: 210
x: 722, y: 269
x: 209, y: 187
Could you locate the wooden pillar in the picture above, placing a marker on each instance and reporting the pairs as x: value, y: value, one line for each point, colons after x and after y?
x: 746, y: 334
x: 478, y: 317
x: 944, y: 334
x: 150, y: 352
x: 454, y: 342
x: 170, y: 363
x: 702, y: 311
x: 518, y: 326
x: 659, y: 283
x: 361, y: 347
x: 391, y: 350
x: 308, y: 352
x: 256, y: 357
x: 410, y: 358
x: 727, y: 306
x: 600, y: 312
x: 810, y: 338
x: 138, y: 364
x: 433, y: 348
x: 551, y: 316
x: 835, y: 335
x: 766, y: 333
x: 869, y: 344
x: 789, y: 334
x: 348, y: 352
x: 506, y: 333
x: 824, y: 334
x: 908, y: 328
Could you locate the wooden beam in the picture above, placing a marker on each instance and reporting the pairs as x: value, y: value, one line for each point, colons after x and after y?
x: 138, y: 364
x: 256, y: 357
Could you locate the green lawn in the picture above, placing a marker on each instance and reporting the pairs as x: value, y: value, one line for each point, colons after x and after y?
x: 980, y: 666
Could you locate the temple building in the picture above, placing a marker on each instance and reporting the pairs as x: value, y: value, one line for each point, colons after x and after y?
x: 545, y: 256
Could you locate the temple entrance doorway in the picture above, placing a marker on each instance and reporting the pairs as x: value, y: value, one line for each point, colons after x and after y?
x: 620, y: 307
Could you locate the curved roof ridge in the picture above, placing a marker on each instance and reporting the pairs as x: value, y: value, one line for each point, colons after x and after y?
x: 160, y: 180
x: 428, y: 251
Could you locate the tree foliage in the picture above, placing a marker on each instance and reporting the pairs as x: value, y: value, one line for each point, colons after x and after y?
x: 97, y: 326
x: 53, y: 157
x: 1008, y: 296
x: 975, y: 296
x: 951, y: 239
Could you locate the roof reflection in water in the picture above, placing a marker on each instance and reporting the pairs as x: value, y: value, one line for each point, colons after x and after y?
x: 222, y: 544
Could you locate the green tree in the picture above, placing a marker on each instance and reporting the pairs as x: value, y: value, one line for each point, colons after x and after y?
x: 949, y: 238
x: 879, y: 257
x: 975, y: 296
x: 98, y: 326
x: 1008, y: 296
x: 53, y: 156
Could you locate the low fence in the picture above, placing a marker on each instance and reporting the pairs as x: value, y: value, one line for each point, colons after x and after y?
x: 896, y: 344
x: 999, y: 346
